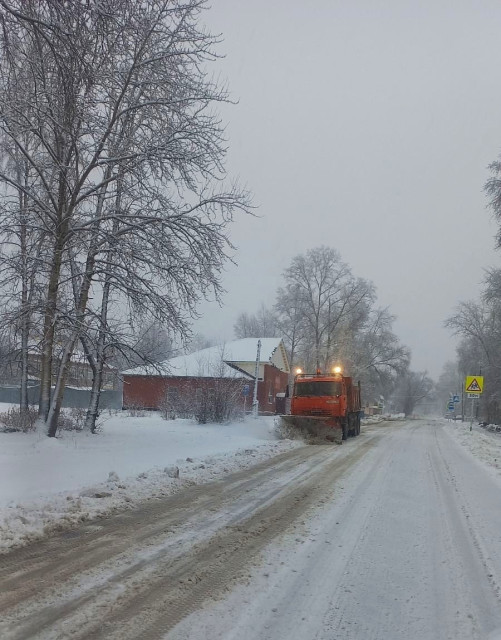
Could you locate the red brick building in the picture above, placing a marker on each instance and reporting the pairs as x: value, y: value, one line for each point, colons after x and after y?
x: 230, y: 366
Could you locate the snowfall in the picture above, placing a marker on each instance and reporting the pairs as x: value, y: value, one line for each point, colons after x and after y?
x: 49, y: 484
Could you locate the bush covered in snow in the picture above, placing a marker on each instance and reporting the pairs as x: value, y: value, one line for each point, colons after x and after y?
x: 71, y: 420
x: 212, y: 401
x: 14, y: 420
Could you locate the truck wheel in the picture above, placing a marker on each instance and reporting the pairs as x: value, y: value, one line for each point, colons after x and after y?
x: 352, y: 425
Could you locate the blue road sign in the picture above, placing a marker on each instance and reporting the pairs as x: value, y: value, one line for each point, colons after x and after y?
x: 455, y: 399
x: 451, y: 406
x: 245, y: 390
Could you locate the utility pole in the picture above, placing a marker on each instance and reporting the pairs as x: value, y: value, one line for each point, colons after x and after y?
x: 255, y: 403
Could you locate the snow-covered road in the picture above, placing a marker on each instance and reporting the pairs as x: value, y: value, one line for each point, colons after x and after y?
x: 408, y: 547
x: 394, y: 535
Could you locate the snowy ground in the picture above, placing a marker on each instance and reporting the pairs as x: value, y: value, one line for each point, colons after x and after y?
x: 483, y: 444
x: 51, y: 483
x: 396, y: 534
x: 407, y: 546
x: 47, y: 484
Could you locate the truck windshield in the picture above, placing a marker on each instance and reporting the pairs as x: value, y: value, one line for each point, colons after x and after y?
x: 318, y: 388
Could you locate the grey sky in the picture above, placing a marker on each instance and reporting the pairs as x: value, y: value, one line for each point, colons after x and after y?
x: 366, y: 126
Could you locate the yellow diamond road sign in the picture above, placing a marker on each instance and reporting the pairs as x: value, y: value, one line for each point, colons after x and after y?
x: 474, y: 384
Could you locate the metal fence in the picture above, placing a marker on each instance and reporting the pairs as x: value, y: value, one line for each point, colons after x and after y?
x: 73, y: 397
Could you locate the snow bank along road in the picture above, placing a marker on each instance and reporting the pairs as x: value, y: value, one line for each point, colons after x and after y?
x: 394, y: 535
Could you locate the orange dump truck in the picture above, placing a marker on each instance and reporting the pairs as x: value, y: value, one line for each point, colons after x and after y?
x: 326, y: 406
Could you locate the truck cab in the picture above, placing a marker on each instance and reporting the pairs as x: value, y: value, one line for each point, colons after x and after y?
x: 330, y: 400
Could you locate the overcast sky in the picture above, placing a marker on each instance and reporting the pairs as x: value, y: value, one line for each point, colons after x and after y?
x: 366, y: 126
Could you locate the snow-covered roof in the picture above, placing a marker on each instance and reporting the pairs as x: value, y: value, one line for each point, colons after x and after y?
x: 222, y: 361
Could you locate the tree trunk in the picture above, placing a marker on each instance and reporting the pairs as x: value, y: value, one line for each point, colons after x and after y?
x: 50, y: 319
x: 57, y: 400
x: 64, y: 367
x: 80, y: 308
x: 93, y: 409
x: 49, y: 333
x: 25, y: 311
x: 97, y: 380
x: 24, y: 402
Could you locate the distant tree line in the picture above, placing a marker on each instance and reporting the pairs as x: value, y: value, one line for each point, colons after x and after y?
x: 478, y: 324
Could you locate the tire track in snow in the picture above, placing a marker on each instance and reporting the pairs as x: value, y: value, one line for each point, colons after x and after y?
x: 180, y: 583
x: 411, y: 569
x: 26, y: 570
x: 339, y: 620
x: 471, y: 550
x: 217, y: 565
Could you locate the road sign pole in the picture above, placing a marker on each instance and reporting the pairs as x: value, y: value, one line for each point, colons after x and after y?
x: 474, y: 387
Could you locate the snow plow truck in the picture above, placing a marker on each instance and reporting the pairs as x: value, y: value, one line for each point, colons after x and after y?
x: 324, y: 406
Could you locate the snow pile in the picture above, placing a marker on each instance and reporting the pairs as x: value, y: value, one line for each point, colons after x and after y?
x: 48, y: 484
x: 484, y: 444
x: 372, y: 419
x: 383, y: 418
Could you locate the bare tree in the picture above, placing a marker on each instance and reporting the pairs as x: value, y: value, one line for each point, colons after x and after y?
x: 22, y: 249
x: 479, y: 326
x: 449, y: 383
x: 290, y: 319
x: 493, y: 190
x: 128, y: 157
x: 155, y: 344
x: 199, y: 341
x: 327, y: 316
x: 328, y: 295
x: 413, y: 387
x: 377, y: 354
x: 262, y: 324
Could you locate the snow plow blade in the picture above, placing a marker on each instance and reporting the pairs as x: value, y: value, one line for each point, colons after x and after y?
x: 312, y: 428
